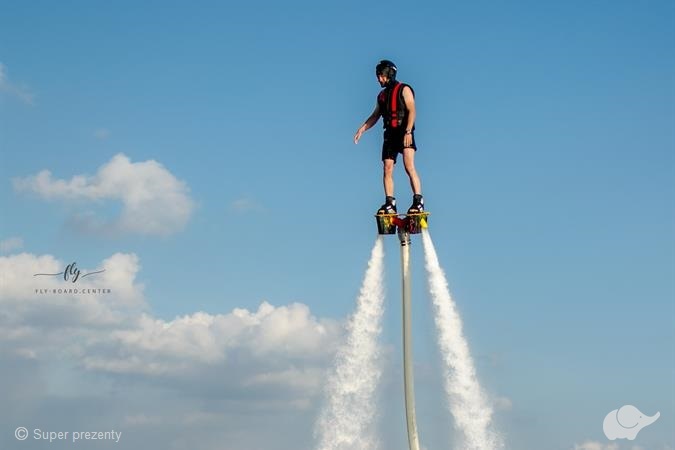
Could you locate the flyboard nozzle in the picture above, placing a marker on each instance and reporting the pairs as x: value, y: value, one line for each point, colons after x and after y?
x: 403, y: 236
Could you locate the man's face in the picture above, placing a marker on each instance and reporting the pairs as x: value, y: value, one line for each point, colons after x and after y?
x: 382, y: 79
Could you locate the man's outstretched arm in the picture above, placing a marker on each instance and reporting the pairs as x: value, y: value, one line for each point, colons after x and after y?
x: 370, y: 121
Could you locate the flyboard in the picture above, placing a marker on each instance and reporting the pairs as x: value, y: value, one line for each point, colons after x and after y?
x: 405, y: 225
x: 412, y: 223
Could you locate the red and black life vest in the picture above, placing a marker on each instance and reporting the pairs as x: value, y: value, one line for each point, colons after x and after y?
x: 392, y: 105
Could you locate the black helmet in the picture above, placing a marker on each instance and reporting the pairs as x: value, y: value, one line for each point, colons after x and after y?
x: 386, y: 68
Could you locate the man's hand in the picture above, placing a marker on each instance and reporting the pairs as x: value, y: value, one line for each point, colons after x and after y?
x: 358, y: 134
x: 370, y: 121
x: 407, y: 140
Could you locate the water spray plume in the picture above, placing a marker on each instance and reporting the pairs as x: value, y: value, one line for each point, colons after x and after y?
x: 345, y: 422
x: 466, y: 399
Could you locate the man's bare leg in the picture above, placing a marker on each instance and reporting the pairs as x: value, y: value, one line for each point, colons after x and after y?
x: 409, y: 163
x: 388, y: 177
x: 389, y: 206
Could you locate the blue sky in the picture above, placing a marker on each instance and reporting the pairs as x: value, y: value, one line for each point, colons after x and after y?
x: 546, y: 139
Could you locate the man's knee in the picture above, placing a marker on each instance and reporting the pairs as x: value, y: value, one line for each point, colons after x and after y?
x: 409, y: 164
x: 388, y: 166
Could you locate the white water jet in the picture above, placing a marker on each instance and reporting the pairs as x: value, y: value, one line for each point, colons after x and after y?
x: 345, y: 422
x: 466, y: 400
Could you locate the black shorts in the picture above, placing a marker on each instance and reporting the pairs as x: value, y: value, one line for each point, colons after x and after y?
x: 392, y: 143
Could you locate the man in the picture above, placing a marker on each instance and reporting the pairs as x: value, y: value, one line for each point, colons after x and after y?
x: 396, y: 105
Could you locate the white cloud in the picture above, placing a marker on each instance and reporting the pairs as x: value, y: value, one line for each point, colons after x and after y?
x: 245, y: 376
x: 10, y: 244
x: 593, y: 445
x: 275, y: 347
x: 503, y: 404
x: 282, y: 350
x: 38, y: 320
x: 19, y: 280
x: 246, y: 204
x: 141, y: 420
x: 20, y: 91
x: 102, y: 133
x: 154, y: 201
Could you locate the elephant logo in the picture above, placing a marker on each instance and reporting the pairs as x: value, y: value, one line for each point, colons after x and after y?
x: 626, y: 422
